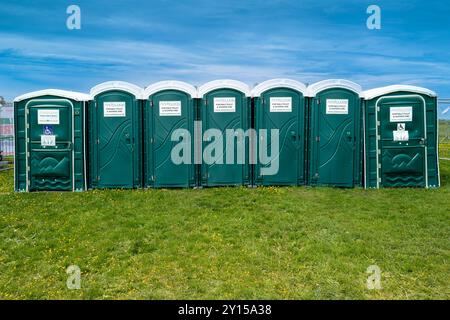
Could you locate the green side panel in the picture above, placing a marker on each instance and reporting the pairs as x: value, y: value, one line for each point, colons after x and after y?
x: 335, y: 139
x: 115, y: 137
x: 401, y: 141
x: 57, y: 165
x: 166, y: 113
x: 282, y: 109
x: 20, y: 174
x: 218, y: 173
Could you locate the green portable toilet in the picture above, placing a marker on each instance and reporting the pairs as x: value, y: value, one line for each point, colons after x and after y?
x: 169, y: 115
x: 225, y: 107
x: 49, y: 141
x: 401, y: 147
x: 335, y: 127
x: 280, y: 104
x: 115, y: 158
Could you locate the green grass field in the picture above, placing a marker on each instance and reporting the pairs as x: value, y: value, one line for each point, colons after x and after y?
x: 226, y: 243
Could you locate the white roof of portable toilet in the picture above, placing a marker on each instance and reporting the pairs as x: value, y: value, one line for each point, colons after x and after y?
x: 225, y: 83
x: 278, y: 83
x: 117, y: 85
x: 170, y: 85
x: 77, y: 96
x: 377, y: 92
x: 317, y: 87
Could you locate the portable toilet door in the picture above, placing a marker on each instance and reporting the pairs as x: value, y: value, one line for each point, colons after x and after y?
x: 225, y: 109
x: 49, y: 141
x: 169, y: 115
x: 115, y: 135
x: 279, y: 104
x: 335, y: 126
x: 401, y: 137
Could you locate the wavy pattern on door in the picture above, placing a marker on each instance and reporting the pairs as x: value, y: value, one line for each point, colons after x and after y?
x: 402, y: 169
x: 334, y: 142
x: 163, y: 140
x: 112, y: 146
x: 231, y: 124
x: 50, y: 172
x: 50, y: 167
x: 284, y: 138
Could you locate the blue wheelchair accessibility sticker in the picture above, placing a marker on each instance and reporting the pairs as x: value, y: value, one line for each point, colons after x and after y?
x: 48, y: 130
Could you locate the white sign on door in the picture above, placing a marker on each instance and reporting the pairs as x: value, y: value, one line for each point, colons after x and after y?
x: 170, y: 108
x: 337, y: 106
x: 401, y: 135
x: 225, y: 104
x: 401, y: 114
x: 281, y: 104
x: 48, y: 140
x: 114, y: 109
x: 48, y: 116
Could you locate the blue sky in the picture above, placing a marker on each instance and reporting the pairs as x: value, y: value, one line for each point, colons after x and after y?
x: 201, y: 40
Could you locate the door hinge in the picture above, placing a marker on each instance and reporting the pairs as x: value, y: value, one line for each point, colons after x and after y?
x: 98, y: 178
x: 318, y: 138
x: 379, y: 151
x: 378, y: 137
x: 28, y: 154
x: 378, y: 123
x: 95, y: 104
x: 28, y: 126
x: 98, y: 141
x: 379, y: 166
x: 379, y: 180
x: 378, y: 109
x: 151, y: 103
x: 28, y: 169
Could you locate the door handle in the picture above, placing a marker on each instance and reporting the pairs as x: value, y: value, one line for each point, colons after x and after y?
x: 127, y: 138
x: 294, y: 135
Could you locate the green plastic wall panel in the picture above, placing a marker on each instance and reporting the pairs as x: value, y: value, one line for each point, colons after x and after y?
x: 335, y: 140
x: 283, y: 109
x: 217, y: 113
x: 115, y: 140
x: 165, y: 112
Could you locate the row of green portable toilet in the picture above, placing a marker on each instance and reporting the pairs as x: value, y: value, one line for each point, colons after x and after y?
x: 130, y: 133
x: 319, y: 131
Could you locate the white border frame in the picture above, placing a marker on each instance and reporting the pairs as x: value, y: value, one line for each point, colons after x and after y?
x: 77, y: 96
x: 27, y: 170
x: 169, y: 85
x: 320, y: 86
x: 223, y: 84
x: 278, y: 83
x: 378, y: 167
x: 116, y: 85
x: 378, y: 92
